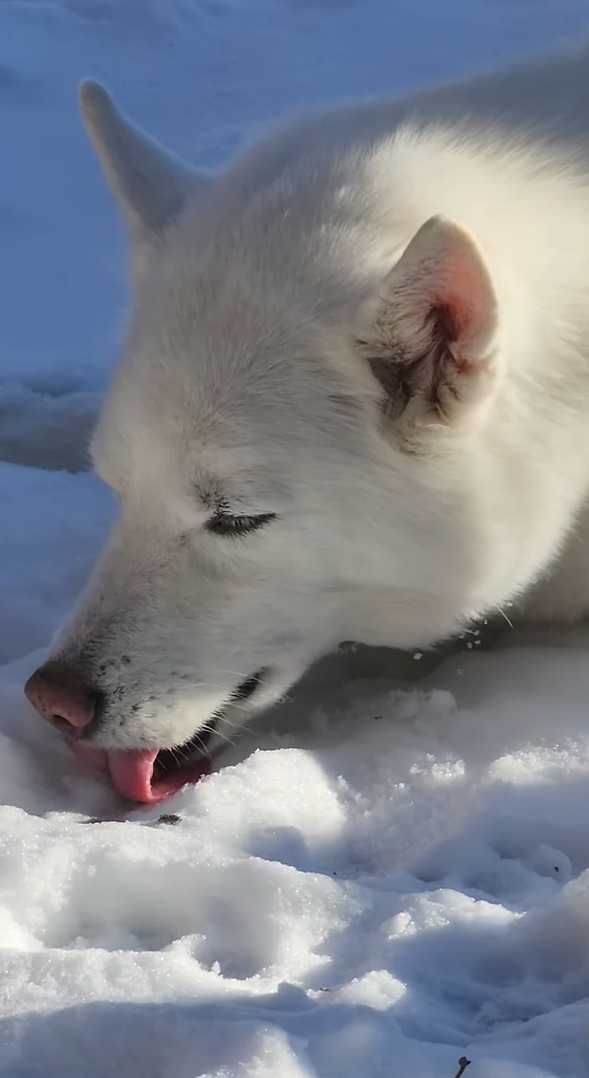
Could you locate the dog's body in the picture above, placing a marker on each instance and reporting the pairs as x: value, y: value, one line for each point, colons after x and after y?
x: 354, y: 399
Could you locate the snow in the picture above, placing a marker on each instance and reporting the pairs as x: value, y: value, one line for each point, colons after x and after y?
x: 393, y: 871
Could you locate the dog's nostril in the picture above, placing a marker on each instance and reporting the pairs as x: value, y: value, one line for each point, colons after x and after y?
x: 65, y: 726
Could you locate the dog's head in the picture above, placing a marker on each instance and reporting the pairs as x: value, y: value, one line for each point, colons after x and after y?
x: 283, y: 434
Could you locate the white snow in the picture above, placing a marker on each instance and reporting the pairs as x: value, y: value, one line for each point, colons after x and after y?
x: 380, y: 880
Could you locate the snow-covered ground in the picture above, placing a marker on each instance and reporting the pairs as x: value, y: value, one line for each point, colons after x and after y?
x: 379, y: 880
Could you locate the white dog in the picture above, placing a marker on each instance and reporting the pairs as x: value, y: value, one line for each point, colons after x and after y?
x: 353, y: 403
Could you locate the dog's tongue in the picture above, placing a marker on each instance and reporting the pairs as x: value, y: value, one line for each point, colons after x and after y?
x: 132, y: 771
x: 132, y: 774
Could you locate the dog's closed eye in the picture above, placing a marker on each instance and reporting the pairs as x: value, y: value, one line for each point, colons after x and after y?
x: 228, y: 525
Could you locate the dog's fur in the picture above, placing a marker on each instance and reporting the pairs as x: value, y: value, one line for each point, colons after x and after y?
x: 374, y: 325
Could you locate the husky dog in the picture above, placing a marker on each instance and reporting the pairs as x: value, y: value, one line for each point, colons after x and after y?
x: 352, y: 404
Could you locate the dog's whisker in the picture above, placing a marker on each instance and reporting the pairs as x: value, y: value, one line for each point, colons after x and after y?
x: 225, y: 737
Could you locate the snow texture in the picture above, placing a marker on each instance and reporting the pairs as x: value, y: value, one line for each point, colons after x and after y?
x: 391, y: 872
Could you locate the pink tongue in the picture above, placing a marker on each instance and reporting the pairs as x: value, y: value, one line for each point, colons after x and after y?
x: 131, y: 771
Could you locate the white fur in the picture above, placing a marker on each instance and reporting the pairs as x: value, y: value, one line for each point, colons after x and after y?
x: 268, y: 303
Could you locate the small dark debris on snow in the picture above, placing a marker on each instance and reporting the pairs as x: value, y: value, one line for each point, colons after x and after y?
x: 463, y: 1063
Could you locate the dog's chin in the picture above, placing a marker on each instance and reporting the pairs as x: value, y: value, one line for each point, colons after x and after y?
x: 149, y: 775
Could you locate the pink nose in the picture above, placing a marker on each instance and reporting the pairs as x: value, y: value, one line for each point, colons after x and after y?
x: 62, y: 696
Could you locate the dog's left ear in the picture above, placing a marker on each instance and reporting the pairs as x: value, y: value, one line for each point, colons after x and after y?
x: 429, y: 334
x: 151, y: 185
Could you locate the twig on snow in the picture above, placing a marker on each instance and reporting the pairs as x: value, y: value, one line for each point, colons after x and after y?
x: 463, y: 1063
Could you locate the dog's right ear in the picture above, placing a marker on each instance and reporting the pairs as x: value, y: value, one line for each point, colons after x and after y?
x: 429, y: 333
x: 150, y: 184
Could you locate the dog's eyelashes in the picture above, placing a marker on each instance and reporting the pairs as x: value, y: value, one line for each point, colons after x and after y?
x: 229, y: 525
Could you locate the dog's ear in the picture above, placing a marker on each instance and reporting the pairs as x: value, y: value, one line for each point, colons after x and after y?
x: 150, y: 184
x: 429, y: 335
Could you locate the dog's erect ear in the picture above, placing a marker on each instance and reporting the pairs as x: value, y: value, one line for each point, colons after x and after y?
x: 429, y: 334
x: 150, y: 184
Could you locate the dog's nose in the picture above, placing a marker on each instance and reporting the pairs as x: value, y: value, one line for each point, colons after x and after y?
x: 63, y: 697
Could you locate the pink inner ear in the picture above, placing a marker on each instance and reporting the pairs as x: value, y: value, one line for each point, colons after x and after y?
x: 465, y: 291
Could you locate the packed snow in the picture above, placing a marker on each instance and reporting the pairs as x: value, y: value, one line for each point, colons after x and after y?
x: 392, y: 871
